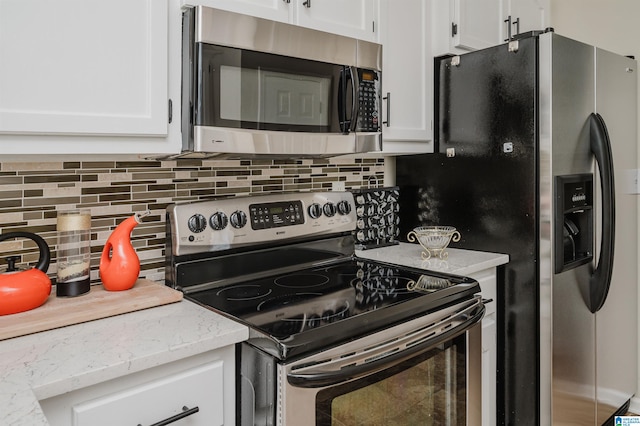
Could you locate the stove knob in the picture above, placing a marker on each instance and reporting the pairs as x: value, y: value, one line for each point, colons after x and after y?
x: 238, y: 219
x: 315, y: 211
x: 218, y: 221
x: 197, y: 223
x: 344, y: 207
x: 329, y: 209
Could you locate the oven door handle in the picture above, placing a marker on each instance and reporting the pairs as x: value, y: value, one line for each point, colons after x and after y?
x: 448, y: 329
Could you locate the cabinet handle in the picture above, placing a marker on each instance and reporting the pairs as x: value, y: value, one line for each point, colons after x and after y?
x: 508, y: 22
x: 287, y: 1
x: 186, y: 412
x: 388, y: 99
x: 307, y: 4
x: 517, y: 24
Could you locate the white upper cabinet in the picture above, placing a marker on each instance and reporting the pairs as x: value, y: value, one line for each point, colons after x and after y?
x: 463, y: 25
x: 524, y: 16
x: 275, y: 10
x: 83, y: 67
x: 476, y: 23
x: 351, y: 18
x: 406, y: 76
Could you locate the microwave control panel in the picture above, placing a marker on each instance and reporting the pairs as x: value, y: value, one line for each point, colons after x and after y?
x: 368, y: 101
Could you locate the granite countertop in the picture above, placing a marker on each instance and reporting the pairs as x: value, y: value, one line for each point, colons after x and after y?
x: 54, y: 362
x: 458, y: 262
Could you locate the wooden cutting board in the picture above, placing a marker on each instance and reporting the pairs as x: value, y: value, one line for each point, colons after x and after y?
x: 98, y: 303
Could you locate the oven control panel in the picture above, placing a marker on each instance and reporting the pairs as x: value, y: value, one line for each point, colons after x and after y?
x: 224, y: 224
x: 274, y: 215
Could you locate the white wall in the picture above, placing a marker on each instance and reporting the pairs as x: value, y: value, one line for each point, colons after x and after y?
x: 609, y: 24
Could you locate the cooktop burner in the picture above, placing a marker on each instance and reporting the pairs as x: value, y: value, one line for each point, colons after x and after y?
x: 244, y: 292
x: 299, y: 280
x: 332, y: 302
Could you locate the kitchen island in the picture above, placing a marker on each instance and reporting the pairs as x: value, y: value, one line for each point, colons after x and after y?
x: 56, y: 362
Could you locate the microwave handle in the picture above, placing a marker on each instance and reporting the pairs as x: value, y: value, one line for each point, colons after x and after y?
x: 355, y: 105
x: 346, y: 79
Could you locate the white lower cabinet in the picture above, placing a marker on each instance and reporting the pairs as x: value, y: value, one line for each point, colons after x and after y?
x: 488, y: 282
x: 196, y: 391
x: 489, y: 367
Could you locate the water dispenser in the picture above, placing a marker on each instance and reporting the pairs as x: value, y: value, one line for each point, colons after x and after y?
x: 573, y: 221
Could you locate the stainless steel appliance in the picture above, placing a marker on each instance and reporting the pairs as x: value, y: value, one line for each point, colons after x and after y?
x: 257, y: 87
x: 333, y: 338
x: 537, y: 148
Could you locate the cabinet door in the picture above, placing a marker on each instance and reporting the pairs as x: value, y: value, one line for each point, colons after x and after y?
x: 477, y: 23
x: 488, y: 286
x: 352, y: 18
x: 528, y: 15
x: 159, y: 400
x: 275, y: 10
x: 489, y: 367
x: 406, y: 76
x: 89, y: 67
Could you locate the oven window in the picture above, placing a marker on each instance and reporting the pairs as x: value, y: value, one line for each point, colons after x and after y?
x: 426, y: 390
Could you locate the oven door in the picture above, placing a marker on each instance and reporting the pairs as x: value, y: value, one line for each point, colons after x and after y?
x: 425, y: 371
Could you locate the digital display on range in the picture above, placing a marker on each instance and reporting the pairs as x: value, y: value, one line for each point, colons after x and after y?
x: 275, y: 215
x: 276, y: 210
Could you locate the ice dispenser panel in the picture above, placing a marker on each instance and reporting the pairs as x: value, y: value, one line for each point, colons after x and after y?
x: 573, y: 221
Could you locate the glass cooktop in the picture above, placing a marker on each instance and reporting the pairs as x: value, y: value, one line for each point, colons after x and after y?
x: 304, y: 310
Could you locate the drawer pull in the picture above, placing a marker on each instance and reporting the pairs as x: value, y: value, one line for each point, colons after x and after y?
x: 186, y: 412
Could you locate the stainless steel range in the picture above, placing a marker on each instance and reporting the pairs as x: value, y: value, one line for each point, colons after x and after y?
x: 334, y: 339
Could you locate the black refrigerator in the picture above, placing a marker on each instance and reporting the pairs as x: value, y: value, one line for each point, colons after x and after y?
x: 536, y: 148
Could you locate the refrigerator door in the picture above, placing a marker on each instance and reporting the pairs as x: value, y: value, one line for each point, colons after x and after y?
x: 567, y: 325
x: 617, y: 320
x: 483, y: 181
x: 592, y: 325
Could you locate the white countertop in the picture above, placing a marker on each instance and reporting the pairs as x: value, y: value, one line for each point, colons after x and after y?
x: 458, y: 262
x: 50, y: 363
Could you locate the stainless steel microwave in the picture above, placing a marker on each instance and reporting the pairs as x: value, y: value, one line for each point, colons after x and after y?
x: 253, y: 87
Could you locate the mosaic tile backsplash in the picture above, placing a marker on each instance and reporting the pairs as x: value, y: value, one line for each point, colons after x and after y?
x: 32, y: 194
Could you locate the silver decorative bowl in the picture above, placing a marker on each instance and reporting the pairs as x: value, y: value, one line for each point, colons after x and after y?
x: 434, y: 239
x: 428, y: 284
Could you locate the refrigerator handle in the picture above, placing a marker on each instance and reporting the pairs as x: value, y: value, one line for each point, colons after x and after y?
x: 601, y: 148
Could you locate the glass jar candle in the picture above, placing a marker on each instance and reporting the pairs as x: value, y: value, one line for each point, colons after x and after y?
x: 73, y: 258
